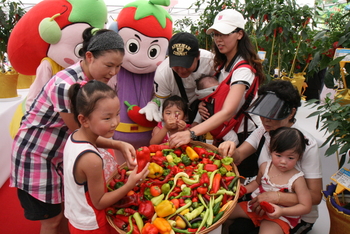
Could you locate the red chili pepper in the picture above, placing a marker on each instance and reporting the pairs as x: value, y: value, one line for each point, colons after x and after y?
x: 206, y: 196
x: 134, y: 115
x: 146, y: 208
x: 210, y: 167
x: 122, y: 217
x: 155, y: 148
x: 122, y: 174
x: 267, y: 207
x: 195, y: 198
x: 224, y: 199
x: 242, y: 191
x: 129, y: 211
x: 192, y: 229
x: 193, y: 186
x: 119, y: 223
x: 172, y: 172
x: 216, y: 183
x: 204, y: 179
x: 202, y: 152
x: 143, y: 156
x: 110, y: 211
x: 158, y: 159
x: 189, y: 171
x: 229, y: 178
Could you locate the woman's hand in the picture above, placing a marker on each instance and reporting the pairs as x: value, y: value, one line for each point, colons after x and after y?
x: 203, y: 111
x: 180, y: 138
x: 227, y: 148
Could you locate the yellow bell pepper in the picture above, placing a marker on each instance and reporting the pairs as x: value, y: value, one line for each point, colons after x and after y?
x: 180, y: 223
x: 165, y: 208
x: 162, y: 225
x: 192, y: 154
x: 155, y: 171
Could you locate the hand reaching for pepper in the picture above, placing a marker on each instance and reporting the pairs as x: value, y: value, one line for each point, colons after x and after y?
x: 137, y: 178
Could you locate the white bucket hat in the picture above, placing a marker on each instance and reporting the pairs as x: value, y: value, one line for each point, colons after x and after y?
x: 227, y: 21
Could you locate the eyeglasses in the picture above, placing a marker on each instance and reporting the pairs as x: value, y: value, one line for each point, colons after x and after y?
x: 216, y: 35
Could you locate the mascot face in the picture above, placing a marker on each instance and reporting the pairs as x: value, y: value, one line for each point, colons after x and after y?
x: 142, y: 54
x: 66, y: 51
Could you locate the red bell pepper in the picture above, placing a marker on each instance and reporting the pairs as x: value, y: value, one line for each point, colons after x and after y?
x: 202, y: 190
x: 143, y: 156
x: 146, y: 209
x: 178, y: 152
x: 122, y: 217
x: 155, y: 148
x: 129, y: 211
x: 267, y: 207
x: 210, y: 167
x: 110, y: 211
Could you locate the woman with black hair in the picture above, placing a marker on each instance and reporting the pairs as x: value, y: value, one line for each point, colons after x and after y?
x: 277, y: 105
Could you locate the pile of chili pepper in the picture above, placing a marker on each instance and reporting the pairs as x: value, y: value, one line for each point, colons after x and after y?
x: 187, y: 190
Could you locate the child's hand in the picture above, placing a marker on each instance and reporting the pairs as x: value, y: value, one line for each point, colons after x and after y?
x: 171, y: 123
x: 137, y: 178
x: 276, y: 213
x: 181, y: 125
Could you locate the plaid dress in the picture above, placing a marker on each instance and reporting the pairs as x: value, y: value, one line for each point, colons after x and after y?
x: 37, y: 150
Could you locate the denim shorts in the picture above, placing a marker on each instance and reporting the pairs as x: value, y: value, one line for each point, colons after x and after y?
x: 35, y: 209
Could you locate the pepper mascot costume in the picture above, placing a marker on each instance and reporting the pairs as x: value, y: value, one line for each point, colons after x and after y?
x: 47, y: 39
x: 146, y: 29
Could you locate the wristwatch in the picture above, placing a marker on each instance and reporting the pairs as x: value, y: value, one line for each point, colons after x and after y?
x: 193, y: 135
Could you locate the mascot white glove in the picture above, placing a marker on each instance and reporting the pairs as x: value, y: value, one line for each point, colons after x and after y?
x: 151, y: 110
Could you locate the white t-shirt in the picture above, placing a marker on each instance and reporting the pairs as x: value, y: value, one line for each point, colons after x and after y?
x: 310, y: 163
x: 242, y: 75
x: 165, y: 83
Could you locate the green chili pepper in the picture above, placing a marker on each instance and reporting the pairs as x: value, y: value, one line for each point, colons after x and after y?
x: 201, y: 199
x: 216, y: 208
x: 181, y: 230
x: 218, y: 216
x: 131, y: 225
x: 188, y: 204
x: 204, y: 220
x: 138, y: 219
x: 191, y: 215
x: 230, y: 186
x: 210, y: 215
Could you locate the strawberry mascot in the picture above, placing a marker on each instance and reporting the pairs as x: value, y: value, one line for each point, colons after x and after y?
x: 47, y: 39
x: 146, y: 28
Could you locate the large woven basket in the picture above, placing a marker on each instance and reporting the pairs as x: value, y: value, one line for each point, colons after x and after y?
x: 227, y: 213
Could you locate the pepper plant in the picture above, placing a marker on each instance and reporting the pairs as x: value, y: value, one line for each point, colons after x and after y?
x: 10, y: 14
x: 333, y: 117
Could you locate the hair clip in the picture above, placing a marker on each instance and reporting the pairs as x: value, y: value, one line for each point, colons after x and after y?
x: 83, y: 83
x: 94, y: 30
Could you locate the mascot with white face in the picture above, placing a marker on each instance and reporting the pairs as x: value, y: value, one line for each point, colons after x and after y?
x: 146, y: 28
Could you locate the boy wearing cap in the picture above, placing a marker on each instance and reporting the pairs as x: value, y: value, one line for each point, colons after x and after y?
x: 178, y: 73
x: 277, y: 105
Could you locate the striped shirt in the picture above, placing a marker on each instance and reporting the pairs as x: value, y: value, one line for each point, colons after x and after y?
x: 37, y: 150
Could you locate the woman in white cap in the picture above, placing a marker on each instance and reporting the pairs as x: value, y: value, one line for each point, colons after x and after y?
x: 239, y: 71
x: 37, y: 155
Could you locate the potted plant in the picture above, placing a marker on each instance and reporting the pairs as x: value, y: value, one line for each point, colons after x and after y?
x: 10, y: 13
x: 333, y: 117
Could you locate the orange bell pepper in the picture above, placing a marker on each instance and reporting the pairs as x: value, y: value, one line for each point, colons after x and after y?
x: 162, y: 225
